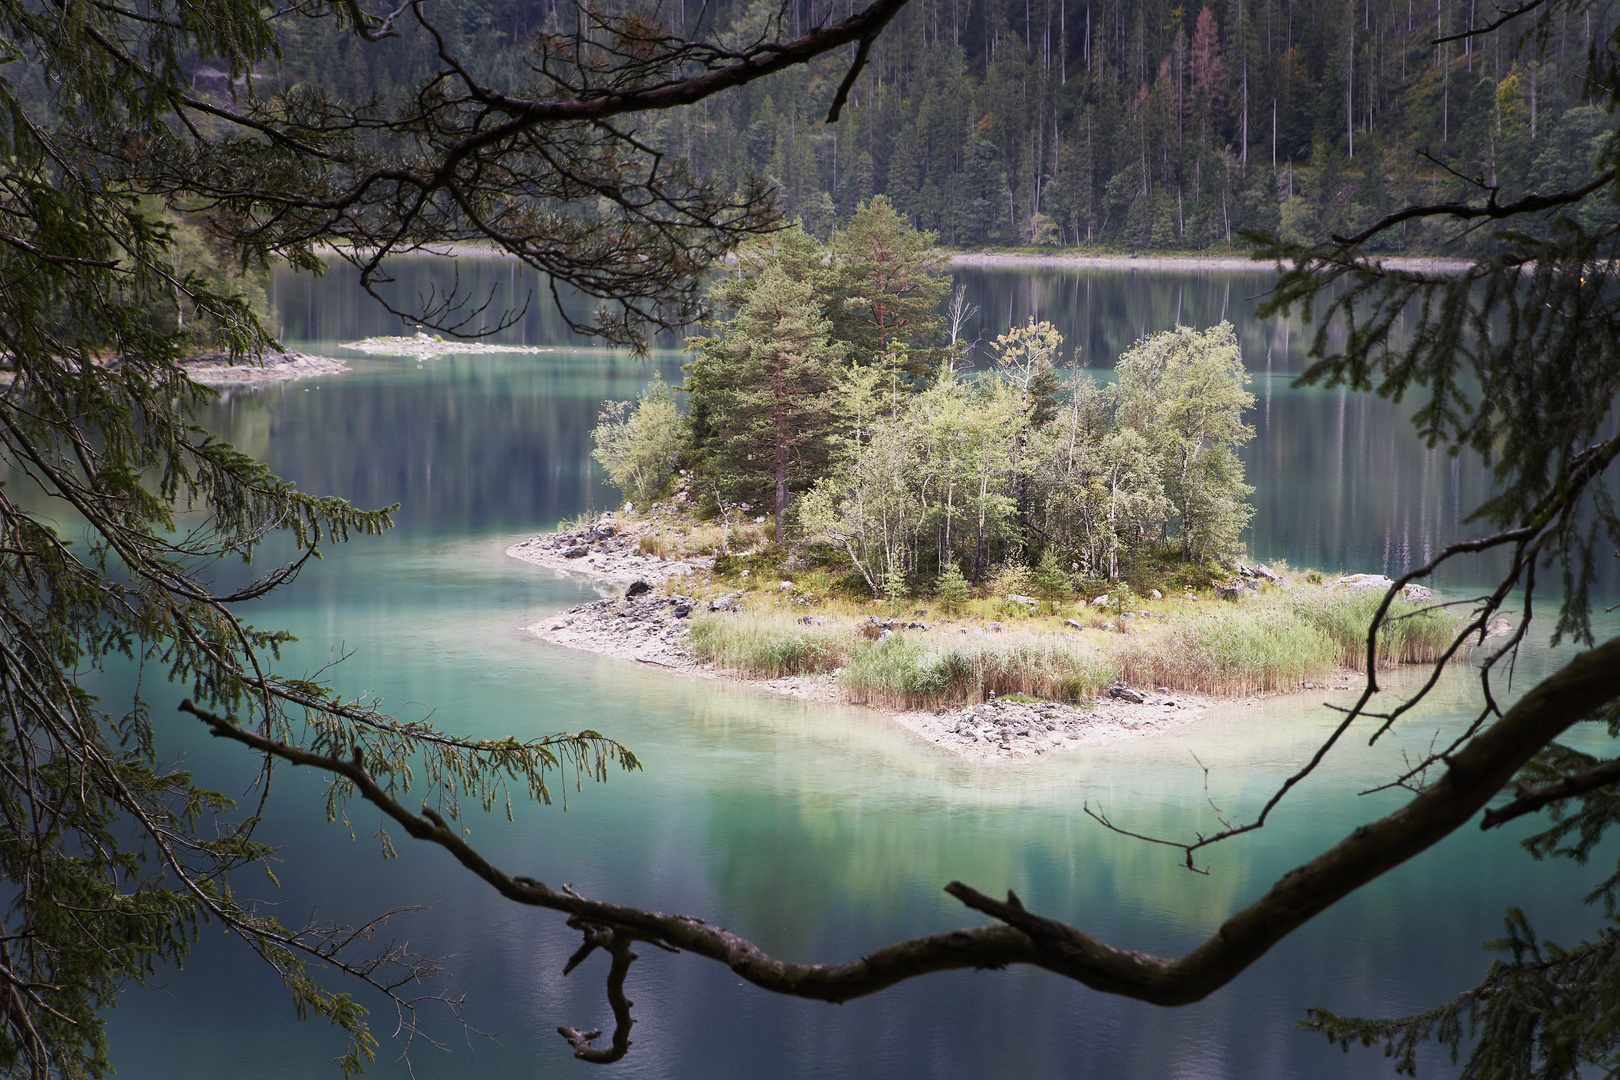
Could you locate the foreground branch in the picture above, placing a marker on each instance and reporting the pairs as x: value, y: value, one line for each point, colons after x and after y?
x: 1477, y: 772
x: 1531, y: 798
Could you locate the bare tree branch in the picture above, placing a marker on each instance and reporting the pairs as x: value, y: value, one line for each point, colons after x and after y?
x: 1530, y: 204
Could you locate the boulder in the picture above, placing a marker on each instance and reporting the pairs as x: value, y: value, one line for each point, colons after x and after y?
x: 994, y: 627
x: 1229, y: 591
x: 1358, y: 582
x: 1101, y: 601
x: 683, y: 609
x: 916, y: 626
x: 1156, y: 594
x: 637, y: 588
x: 576, y: 552
x: 1072, y: 624
x: 1417, y: 594
x: 1125, y: 693
x: 1030, y: 600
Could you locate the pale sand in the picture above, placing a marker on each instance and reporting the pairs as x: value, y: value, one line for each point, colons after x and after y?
x: 218, y: 370
x: 422, y: 346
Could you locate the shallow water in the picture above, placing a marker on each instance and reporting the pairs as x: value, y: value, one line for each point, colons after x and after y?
x: 820, y: 832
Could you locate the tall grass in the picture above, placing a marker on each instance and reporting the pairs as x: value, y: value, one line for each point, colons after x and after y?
x: 1276, y: 641
x: 1409, y: 634
x: 1245, y: 648
x: 910, y: 672
x: 769, y: 645
x: 1281, y: 640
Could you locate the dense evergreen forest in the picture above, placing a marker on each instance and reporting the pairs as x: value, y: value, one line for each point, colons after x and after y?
x: 1150, y: 125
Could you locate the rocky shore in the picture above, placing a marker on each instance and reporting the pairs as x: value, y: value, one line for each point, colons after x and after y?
x: 220, y: 369
x: 646, y: 619
x: 609, y: 551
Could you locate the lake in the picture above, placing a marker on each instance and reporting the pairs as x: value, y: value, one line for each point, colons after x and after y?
x: 819, y: 832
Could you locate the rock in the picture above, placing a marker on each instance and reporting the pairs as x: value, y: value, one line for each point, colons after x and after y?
x: 683, y: 609
x: 1128, y: 615
x: 1265, y: 571
x: 1498, y: 627
x: 576, y: 552
x: 1232, y: 591
x: 1101, y: 601
x: 1109, y: 626
x: 916, y: 626
x: 813, y: 620
x: 885, y: 633
x: 1156, y: 594
x: 637, y: 587
x: 1029, y: 600
x: 1417, y: 594
x: 1358, y: 582
x: 1125, y: 693
x: 1072, y: 624
x: 994, y: 627
x: 785, y: 586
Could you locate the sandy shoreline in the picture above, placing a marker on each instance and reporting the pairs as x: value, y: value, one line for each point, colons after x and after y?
x: 219, y: 370
x: 1076, y: 260
x: 649, y: 629
x: 1200, y: 263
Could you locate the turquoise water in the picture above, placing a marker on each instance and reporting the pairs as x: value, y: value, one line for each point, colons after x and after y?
x: 819, y: 832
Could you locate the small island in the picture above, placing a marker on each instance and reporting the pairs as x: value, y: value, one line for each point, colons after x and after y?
x: 859, y: 505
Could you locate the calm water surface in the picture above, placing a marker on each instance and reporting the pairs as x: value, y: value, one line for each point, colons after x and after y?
x: 819, y: 832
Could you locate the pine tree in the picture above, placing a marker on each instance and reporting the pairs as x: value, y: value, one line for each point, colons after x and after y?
x: 889, y: 280
x: 767, y: 389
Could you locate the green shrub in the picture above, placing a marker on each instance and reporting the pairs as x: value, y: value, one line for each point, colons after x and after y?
x: 640, y: 446
x: 1052, y: 583
x: 952, y: 591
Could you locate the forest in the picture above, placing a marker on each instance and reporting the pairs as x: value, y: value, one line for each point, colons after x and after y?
x: 1051, y: 123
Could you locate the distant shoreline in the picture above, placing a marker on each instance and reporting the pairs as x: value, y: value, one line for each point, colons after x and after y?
x: 1196, y: 263
x: 1228, y: 264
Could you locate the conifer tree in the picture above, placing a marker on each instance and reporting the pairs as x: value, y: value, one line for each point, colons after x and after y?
x: 889, y: 281
x: 769, y: 385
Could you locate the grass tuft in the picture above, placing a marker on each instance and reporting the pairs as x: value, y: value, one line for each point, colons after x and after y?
x: 903, y: 671
x: 768, y: 645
